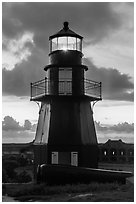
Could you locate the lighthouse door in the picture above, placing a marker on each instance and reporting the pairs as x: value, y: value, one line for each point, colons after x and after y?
x: 74, y: 158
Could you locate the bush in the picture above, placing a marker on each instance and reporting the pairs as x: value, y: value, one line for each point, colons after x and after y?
x: 45, y: 190
x: 23, y: 177
x: 9, y: 175
x: 4, y: 190
x: 22, y: 161
x: 4, y: 176
x: 13, y: 158
x: 9, y: 167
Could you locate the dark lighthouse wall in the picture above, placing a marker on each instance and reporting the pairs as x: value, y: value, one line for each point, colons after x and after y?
x: 67, y: 126
x: 65, y: 132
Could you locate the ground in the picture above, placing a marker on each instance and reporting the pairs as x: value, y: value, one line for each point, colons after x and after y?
x: 92, y: 192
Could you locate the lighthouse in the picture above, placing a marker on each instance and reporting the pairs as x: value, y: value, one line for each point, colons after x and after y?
x: 65, y: 134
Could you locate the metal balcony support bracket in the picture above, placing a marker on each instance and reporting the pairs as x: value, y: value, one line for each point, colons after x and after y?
x: 100, y: 86
x: 31, y: 91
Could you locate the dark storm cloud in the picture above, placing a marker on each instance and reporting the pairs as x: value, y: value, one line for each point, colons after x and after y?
x: 17, y: 81
x: 119, y: 128
x: 115, y: 85
x: 92, y: 20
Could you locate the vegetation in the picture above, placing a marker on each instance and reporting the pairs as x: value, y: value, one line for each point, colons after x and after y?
x: 9, y: 170
x: 17, y: 171
x: 80, y: 192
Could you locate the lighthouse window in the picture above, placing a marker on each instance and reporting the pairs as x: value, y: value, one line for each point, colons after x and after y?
x: 105, y: 153
x: 65, y: 74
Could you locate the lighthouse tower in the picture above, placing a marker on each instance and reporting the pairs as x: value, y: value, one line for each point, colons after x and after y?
x: 65, y: 132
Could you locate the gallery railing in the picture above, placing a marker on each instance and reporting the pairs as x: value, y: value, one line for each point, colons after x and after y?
x: 63, y: 87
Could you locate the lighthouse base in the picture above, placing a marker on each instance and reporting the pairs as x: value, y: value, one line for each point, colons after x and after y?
x: 73, y: 155
x: 59, y: 174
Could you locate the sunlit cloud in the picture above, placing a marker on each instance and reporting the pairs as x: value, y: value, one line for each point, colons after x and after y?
x: 116, y: 51
x: 16, y: 50
x: 20, y: 108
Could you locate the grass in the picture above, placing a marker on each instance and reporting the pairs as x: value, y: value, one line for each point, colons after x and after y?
x: 93, y: 192
x: 78, y: 192
x: 43, y: 189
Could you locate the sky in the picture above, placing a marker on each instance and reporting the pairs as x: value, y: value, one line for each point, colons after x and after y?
x: 108, y: 48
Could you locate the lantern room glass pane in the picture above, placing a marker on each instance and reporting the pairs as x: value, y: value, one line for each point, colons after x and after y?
x: 62, y: 43
x: 54, y: 44
x: 71, y: 43
x: 79, y: 47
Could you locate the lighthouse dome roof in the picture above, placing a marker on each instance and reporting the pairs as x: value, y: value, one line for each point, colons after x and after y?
x: 65, y: 32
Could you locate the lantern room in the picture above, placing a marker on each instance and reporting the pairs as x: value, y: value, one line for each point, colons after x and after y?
x: 65, y: 47
x: 65, y: 40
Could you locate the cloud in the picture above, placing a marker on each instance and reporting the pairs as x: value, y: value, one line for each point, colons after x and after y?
x: 27, y: 125
x: 39, y: 20
x: 14, y: 133
x: 97, y: 20
x: 17, y: 136
x: 123, y: 131
x: 17, y: 81
x: 33, y: 128
x: 115, y: 85
x: 119, y: 128
x: 10, y: 124
x: 17, y: 50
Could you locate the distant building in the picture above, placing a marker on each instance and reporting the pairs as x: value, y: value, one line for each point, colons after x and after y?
x: 116, y: 151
